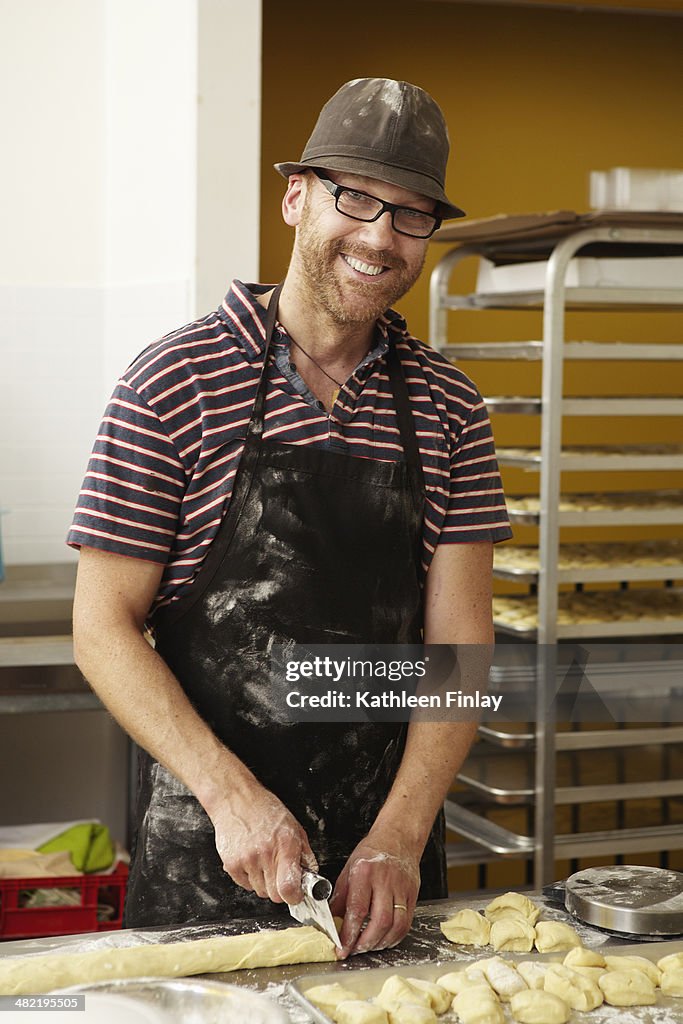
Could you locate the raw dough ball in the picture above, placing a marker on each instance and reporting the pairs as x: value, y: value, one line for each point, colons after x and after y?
x: 439, y: 997
x: 357, y: 1011
x: 637, y: 963
x: 477, y: 1004
x: 502, y: 977
x: 456, y: 981
x: 399, y: 990
x: 579, y: 992
x: 579, y: 956
x: 672, y: 960
x: 536, y: 1007
x: 411, y: 1013
x: 512, y: 934
x: 533, y: 972
x: 468, y: 928
x: 627, y: 988
x: 672, y: 981
x: 512, y: 902
x: 328, y: 997
x: 555, y: 936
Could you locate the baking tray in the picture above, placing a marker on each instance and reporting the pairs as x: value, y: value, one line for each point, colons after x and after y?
x: 184, y: 1000
x: 626, y: 457
x: 659, y: 507
x: 367, y: 983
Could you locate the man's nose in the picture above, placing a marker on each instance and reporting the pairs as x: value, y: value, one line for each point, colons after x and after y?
x: 378, y: 234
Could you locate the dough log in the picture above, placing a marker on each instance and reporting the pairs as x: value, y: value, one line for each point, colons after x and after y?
x: 31, y: 975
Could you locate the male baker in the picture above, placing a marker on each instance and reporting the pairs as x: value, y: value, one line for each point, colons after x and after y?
x: 294, y: 466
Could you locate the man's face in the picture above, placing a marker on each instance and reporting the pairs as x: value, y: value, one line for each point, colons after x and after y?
x: 356, y: 269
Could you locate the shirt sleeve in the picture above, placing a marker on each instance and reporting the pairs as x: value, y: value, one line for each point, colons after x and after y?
x: 476, y: 506
x: 133, y: 488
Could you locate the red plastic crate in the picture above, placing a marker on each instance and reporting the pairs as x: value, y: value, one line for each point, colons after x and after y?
x: 17, y: 921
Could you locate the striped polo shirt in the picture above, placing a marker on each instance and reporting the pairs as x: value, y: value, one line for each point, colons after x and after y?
x: 164, y: 462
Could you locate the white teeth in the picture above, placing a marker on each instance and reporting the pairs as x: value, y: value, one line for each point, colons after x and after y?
x: 364, y: 268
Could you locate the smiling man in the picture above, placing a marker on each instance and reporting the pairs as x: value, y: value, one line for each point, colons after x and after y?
x: 293, y: 467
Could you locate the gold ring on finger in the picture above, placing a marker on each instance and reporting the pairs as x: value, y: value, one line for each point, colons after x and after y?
x: 400, y: 906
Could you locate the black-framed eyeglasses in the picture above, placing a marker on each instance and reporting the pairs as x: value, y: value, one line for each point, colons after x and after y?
x: 360, y: 206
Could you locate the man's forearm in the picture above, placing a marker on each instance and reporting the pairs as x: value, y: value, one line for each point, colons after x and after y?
x: 434, y: 752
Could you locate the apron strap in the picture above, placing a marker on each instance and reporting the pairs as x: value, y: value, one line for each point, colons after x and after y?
x: 259, y: 410
x: 406, y: 422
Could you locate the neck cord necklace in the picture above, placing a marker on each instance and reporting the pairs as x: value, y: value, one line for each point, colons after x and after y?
x: 322, y: 370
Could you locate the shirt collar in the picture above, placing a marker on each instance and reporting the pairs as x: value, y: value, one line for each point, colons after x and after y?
x: 246, y: 317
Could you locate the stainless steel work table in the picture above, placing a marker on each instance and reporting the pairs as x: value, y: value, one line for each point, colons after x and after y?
x: 424, y: 942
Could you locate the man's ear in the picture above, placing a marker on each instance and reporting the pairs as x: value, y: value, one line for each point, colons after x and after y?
x: 293, y: 200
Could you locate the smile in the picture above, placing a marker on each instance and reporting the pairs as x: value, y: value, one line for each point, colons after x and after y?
x: 362, y: 268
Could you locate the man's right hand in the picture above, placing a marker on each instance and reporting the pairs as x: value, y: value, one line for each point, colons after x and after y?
x: 261, y: 844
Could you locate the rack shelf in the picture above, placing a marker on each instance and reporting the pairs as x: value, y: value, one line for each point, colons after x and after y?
x: 579, y: 299
x: 627, y: 458
x: 637, y: 508
x: 595, y: 406
x: 594, y: 563
x: 574, y: 350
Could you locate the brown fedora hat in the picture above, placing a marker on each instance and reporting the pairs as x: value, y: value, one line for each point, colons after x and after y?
x: 392, y: 131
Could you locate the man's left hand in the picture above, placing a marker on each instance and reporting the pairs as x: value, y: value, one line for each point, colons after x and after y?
x: 376, y: 893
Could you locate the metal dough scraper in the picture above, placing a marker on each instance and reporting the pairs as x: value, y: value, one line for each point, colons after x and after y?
x: 314, y: 908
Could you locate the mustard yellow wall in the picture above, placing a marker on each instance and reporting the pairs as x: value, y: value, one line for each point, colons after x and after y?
x: 534, y: 99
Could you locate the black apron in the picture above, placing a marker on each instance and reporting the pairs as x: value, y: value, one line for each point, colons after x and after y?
x: 316, y: 547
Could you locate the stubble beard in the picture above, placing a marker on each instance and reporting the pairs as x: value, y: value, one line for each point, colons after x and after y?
x: 355, y: 302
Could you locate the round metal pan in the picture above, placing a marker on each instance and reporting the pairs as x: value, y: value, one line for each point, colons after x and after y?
x: 630, y: 899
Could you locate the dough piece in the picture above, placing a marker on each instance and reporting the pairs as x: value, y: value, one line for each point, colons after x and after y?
x: 672, y: 982
x: 669, y: 961
x: 397, y: 989
x: 357, y: 1011
x: 555, y: 937
x: 511, y: 902
x: 533, y: 972
x: 411, y: 1013
x: 637, y: 963
x: 439, y: 998
x: 594, y: 973
x: 536, y: 1007
x: 328, y: 997
x: 513, y: 935
x: 477, y: 1004
x: 468, y: 928
x: 34, y: 974
x: 577, y: 991
x: 627, y: 988
x: 456, y: 981
x: 579, y: 956
x: 502, y: 977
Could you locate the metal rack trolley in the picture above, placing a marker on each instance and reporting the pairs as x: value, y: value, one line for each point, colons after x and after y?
x: 557, y: 238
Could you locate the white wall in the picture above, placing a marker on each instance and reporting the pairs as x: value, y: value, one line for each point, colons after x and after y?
x: 51, y: 260
x: 133, y: 134
x: 229, y: 147
x: 150, y: 121
x: 104, y: 177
